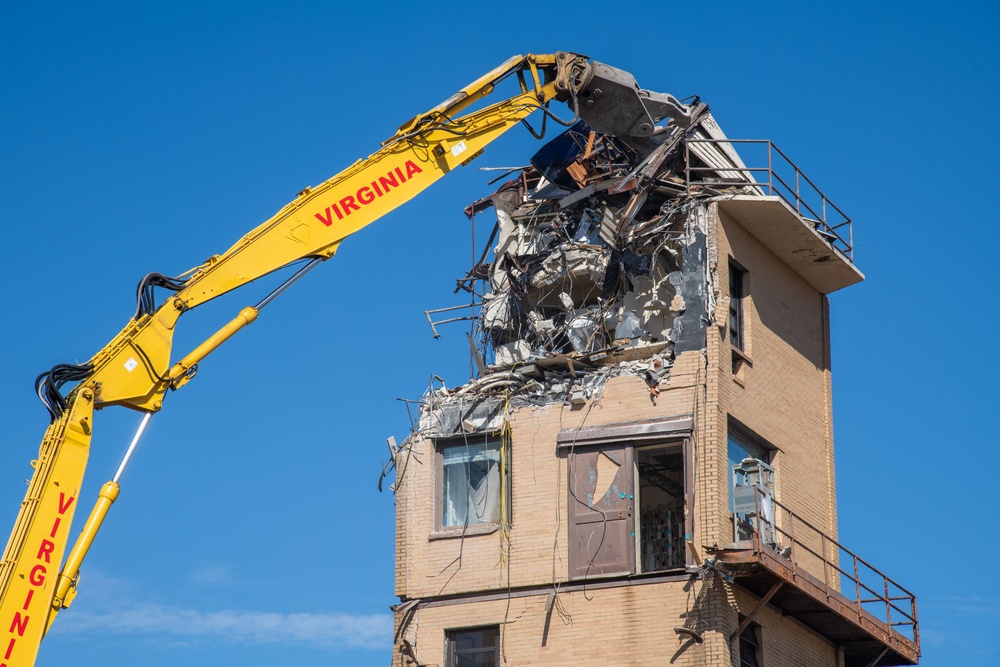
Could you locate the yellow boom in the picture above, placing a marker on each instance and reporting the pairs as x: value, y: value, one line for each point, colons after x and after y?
x: 134, y: 370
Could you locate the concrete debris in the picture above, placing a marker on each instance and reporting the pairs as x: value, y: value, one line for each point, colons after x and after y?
x: 485, y: 404
x: 599, y: 247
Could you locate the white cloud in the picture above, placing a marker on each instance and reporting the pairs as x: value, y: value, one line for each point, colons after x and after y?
x: 963, y: 605
x: 321, y: 631
x: 211, y: 575
x: 173, y: 624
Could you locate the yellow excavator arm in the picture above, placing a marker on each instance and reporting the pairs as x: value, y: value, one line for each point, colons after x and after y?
x: 134, y: 370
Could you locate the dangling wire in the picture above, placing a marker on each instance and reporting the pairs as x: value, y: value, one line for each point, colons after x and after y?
x: 505, y: 443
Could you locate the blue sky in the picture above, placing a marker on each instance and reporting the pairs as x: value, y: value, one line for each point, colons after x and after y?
x: 146, y: 138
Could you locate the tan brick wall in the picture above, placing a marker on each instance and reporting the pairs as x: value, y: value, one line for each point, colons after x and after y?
x: 784, y: 397
x: 627, y: 625
x: 784, y: 641
x: 536, y: 552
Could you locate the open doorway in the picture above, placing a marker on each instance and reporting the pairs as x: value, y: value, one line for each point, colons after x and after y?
x: 660, y: 485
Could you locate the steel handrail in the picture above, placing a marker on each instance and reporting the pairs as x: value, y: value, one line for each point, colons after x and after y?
x: 797, y: 545
x: 795, y: 196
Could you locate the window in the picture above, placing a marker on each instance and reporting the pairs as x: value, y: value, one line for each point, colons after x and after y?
x: 738, y: 323
x: 736, y: 306
x: 736, y: 294
x: 473, y: 647
x: 741, y: 448
x: 751, y: 513
x: 750, y: 646
x: 472, y: 484
x: 660, y: 505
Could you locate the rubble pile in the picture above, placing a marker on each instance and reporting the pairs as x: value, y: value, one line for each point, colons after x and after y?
x: 596, y: 267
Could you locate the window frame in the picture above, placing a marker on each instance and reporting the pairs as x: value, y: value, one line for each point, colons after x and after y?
x: 749, y: 441
x: 451, y: 656
x: 737, y: 312
x: 440, y: 445
x: 750, y: 636
x: 684, y: 444
x: 737, y: 322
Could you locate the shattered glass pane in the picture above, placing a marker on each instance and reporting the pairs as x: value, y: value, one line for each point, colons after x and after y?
x: 604, y: 475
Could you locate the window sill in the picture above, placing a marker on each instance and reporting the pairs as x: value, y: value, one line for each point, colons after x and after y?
x: 740, y: 355
x: 741, y: 362
x: 459, y: 531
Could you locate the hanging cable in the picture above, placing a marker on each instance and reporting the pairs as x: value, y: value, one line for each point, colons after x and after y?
x: 144, y: 296
x: 49, y: 383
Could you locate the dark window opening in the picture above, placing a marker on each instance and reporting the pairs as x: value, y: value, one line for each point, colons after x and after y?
x: 661, y: 534
x: 737, y: 323
x: 750, y: 645
x: 736, y: 329
x: 473, y: 647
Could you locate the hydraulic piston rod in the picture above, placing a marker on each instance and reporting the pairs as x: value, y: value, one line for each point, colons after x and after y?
x: 66, y: 584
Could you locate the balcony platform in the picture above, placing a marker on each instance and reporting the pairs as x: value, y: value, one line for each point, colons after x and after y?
x: 809, y: 576
x: 866, y: 640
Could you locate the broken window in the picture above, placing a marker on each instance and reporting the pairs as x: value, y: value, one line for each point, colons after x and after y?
x: 471, y: 486
x: 473, y: 647
x: 609, y: 487
x: 750, y: 645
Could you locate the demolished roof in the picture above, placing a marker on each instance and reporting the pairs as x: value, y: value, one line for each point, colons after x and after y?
x: 597, y: 265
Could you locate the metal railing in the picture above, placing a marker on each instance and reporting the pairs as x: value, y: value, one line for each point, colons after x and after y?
x: 801, y: 193
x: 845, y: 574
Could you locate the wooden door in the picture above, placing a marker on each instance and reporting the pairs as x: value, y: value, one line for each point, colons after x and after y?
x: 601, y: 512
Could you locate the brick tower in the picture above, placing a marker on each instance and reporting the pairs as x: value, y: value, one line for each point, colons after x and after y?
x: 643, y: 472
